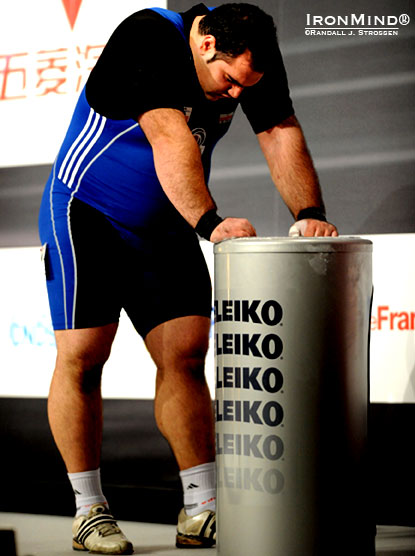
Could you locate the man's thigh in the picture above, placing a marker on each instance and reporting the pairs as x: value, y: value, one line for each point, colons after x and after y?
x: 168, y: 282
x: 82, y: 260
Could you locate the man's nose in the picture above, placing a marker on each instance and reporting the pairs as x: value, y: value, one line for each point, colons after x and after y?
x: 235, y: 91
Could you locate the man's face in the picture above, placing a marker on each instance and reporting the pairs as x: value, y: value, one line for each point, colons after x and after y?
x: 226, y: 78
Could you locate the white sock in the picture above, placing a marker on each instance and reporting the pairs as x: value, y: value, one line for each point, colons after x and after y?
x: 87, y: 489
x: 199, y: 488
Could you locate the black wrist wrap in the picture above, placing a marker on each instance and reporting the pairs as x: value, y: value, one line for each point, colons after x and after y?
x: 208, y: 223
x: 316, y: 213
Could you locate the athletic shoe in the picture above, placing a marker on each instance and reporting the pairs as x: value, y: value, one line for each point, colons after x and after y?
x: 198, y: 531
x: 99, y: 533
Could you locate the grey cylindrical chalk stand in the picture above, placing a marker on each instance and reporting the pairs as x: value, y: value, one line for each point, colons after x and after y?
x: 291, y: 350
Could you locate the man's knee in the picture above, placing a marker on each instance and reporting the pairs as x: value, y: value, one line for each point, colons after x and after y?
x: 189, y: 355
x: 180, y: 344
x: 82, y: 359
x: 84, y: 371
x: 83, y: 353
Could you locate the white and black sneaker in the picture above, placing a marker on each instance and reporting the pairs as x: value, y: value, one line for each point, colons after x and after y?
x: 99, y: 533
x: 197, y: 531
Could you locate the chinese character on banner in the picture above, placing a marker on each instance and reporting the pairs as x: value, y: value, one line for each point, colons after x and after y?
x: 58, y: 71
x: 12, y: 76
x: 51, y: 71
x: 85, y: 61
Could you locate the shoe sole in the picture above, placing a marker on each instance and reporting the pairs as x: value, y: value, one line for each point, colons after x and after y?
x: 81, y: 548
x: 191, y: 541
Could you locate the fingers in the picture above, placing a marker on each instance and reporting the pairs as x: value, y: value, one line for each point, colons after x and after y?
x: 232, y: 227
x: 313, y: 228
x: 329, y: 230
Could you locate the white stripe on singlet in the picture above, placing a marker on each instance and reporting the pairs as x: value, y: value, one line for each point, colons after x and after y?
x: 74, y: 144
x: 92, y: 138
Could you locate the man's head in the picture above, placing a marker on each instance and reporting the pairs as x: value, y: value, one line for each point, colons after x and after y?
x: 232, y: 47
x: 240, y: 27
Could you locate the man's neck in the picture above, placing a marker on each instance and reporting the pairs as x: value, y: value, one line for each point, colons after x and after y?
x: 194, y: 42
x: 194, y: 32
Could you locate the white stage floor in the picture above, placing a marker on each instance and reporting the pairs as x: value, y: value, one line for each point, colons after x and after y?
x: 40, y: 535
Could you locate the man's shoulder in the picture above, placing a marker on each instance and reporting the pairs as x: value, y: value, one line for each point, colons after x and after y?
x: 145, y: 52
x: 152, y: 18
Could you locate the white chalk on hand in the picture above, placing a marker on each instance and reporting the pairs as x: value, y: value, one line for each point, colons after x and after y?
x: 293, y: 231
x: 297, y: 229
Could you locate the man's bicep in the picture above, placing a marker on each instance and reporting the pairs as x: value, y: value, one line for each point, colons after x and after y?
x: 273, y: 138
x: 163, y: 123
x: 268, y: 102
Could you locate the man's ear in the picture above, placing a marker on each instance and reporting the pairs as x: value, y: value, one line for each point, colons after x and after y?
x: 207, y: 45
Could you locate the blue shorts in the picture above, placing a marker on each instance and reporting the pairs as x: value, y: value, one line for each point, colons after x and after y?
x: 92, y: 272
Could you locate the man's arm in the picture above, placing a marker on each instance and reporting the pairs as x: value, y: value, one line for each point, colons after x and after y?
x: 293, y: 173
x: 179, y: 169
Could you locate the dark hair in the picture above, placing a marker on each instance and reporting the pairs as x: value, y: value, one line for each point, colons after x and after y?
x: 238, y: 27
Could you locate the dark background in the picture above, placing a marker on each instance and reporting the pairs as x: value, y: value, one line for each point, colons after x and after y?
x: 355, y: 100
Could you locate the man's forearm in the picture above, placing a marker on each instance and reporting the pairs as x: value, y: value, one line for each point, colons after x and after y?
x: 291, y: 167
x: 178, y: 163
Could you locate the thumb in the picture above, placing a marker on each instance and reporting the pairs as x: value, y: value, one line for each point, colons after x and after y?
x: 297, y: 229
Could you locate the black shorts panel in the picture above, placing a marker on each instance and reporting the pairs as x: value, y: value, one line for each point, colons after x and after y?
x: 158, y: 280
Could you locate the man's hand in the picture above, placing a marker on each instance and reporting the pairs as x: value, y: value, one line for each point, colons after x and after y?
x: 232, y: 227
x: 313, y: 228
